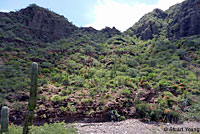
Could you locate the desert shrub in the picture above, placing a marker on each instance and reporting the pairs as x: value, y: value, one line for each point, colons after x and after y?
x: 85, y: 100
x: 156, y: 114
x: 132, y: 72
x: 167, y: 93
x: 163, y: 84
x: 45, y: 70
x: 181, y: 52
x: 152, y: 76
x: 146, y: 85
x: 125, y: 92
x: 71, y: 107
x: 122, y: 68
x: 46, y: 65
x: 164, y: 73
x: 172, y: 117
x: 65, y: 92
x: 57, y: 98
x: 15, y: 129
x: 193, y: 113
x: 142, y: 110
x: 118, y: 116
x: 141, y: 74
x: 147, y: 69
x: 53, y: 128
x: 131, y: 62
x: 64, y: 109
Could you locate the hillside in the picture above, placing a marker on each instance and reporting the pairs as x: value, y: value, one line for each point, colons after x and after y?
x: 178, y: 21
x: 149, y: 72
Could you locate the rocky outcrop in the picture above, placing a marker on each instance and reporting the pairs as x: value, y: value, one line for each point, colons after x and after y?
x: 99, y: 36
x: 149, y: 25
x: 111, y: 31
x: 180, y: 20
x: 39, y: 24
x: 184, y: 19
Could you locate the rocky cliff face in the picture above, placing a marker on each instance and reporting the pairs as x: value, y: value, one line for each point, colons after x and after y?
x: 184, y: 19
x: 149, y: 25
x: 38, y: 24
x: 178, y: 21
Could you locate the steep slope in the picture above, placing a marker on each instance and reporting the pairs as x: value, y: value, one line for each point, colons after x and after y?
x: 149, y: 25
x: 180, y: 20
x: 183, y: 19
x: 98, y: 75
x: 36, y: 24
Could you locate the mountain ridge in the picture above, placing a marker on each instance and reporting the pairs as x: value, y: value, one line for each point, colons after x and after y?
x: 42, y: 24
x: 38, y: 23
x: 178, y: 21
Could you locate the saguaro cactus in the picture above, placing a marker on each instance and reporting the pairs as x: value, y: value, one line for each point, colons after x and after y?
x: 4, y: 119
x: 32, y: 99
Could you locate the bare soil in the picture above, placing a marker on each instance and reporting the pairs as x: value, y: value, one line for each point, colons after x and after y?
x: 134, y: 126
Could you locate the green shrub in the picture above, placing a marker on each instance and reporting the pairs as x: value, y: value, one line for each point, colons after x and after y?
x: 57, y: 98
x: 167, y: 93
x: 65, y: 92
x: 146, y: 85
x: 85, y: 100
x: 142, y: 110
x: 55, y: 128
x: 64, y: 109
x: 172, y: 117
x: 125, y: 92
x: 116, y: 116
x: 132, y: 72
x: 15, y: 129
x: 131, y: 62
x: 163, y: 84
x: 156, y: 114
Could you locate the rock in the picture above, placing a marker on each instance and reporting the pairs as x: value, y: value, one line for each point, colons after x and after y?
x: 39, y: 24
x: 184, y: 19
x: 180, y: 20
x: 149, y: 25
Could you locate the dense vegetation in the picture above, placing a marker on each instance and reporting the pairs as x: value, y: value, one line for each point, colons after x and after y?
x: 103, y: 75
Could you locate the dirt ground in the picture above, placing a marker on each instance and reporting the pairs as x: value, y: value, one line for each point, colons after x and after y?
x: 134, y: 126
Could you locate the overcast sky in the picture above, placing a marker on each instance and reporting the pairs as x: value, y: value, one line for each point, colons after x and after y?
x: 121, y: 14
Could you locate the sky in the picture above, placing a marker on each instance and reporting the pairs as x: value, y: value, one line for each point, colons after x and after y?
x: 121, y: 14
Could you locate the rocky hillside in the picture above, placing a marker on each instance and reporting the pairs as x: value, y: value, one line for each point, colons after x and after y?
x: 35, y: 23
x: 180, y: 20
x: 184, y: 19
x: 102, y: 75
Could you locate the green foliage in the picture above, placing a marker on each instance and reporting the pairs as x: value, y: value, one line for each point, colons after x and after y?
x: 117, y: 116
x: 125, y: 92
x: 156, y: 114
x: 173, y: 117
x: 54, y: 128
x: 143, y: 110
x: 15, y: 129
